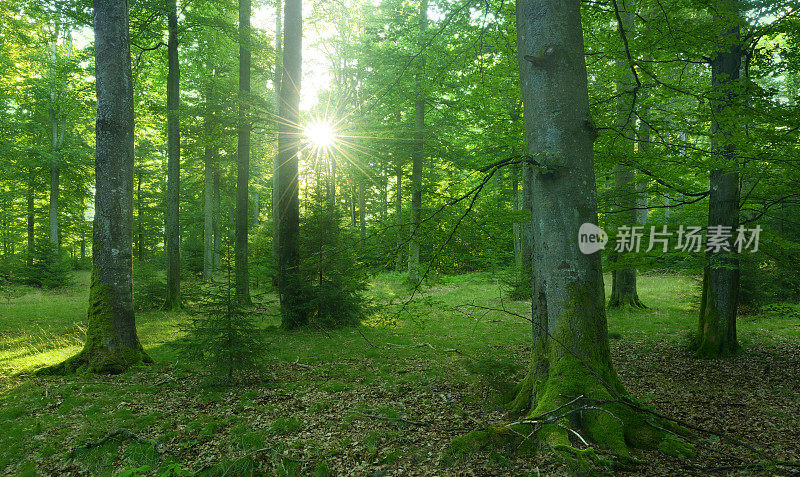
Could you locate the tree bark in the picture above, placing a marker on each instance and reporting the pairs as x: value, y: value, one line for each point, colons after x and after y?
x: 623, y: 278
x: 720, y: 298
x: 570, y: 352
x: 276, y: 212
x: 243, y: 156
x: 418, y: 156
x: 173, y: 241
x: 112, y: 344
x: 289, y: 279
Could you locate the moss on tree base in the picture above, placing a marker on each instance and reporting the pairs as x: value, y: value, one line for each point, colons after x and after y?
x: 579, y: 414
x: 624, y: 300
x: 98, y: 361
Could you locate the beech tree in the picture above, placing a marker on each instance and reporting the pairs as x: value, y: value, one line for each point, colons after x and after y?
x: 717, y: 325
x: 289, y: 286
x: 418, y: 155
x: 242, y: 276
x: 623, y: 278
x: 173, y: 297
x: 571, y: 356
x: 112, y: 344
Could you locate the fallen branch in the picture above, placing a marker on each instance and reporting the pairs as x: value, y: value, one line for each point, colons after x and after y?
x: 125, y: 434
x: 463, y: 412
x: 424, y: 345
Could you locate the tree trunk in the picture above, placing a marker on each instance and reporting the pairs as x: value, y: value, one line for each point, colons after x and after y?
x: 208, y: 191
x: 353, y: 204
x: 54, y: 163
x: 276, y: 212
x: 217, y: 219
x: 398, y: 210
x: 623, y: 276
x: 289, y: 280
x: 243, y: 158
x: 417, y: 158
x: 139, y: 226
x: 717, y: 324
x: 112, y: 344
x: 173, y: 297
x: 31, y: 216
x: 570, y: 355
x: 362, y: 213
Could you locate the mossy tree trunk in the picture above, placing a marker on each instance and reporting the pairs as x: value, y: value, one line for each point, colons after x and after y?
x: 717, y: 324
x: 571, y: 356
x: 112, y: 344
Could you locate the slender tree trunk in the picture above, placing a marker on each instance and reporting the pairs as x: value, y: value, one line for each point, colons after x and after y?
x: 289, y: 286
x: 31, y: 216
x: 353, y: 204
x: 217, y: 218
x: 720, y: 298
x: 208, y: 191
x: 417, y: 158
x: 173, y: 297
x: 571, y: 354
x: 276, y: 212
x: 642, y: 190
x: 139, y: 225
x: 57, y: 139
x: 398, y: 210
x: 623, y: 276
x: 111, y: 340
x: 243, y: 160
x: 362, y: 213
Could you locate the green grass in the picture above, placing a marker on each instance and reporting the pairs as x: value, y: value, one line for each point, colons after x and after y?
x: 439, y: 338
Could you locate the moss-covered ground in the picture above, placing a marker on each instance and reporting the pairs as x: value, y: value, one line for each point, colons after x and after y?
x: 387, y: 398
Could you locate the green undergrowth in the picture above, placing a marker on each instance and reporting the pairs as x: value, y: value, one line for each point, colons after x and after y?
x: 440, y: 340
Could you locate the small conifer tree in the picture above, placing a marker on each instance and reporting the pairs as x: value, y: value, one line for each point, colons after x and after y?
x: 223, y: 333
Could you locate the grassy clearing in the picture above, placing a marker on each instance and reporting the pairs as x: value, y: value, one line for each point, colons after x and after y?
x: 327, y: 402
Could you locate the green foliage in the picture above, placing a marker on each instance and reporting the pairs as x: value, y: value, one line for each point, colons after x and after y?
x: 48, y: 270
x: 334, y: 278
x: 764, y: 280
x: 223, y: 334
x: 149, y: 287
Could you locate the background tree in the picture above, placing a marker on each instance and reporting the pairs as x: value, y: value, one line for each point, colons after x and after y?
x: 289, y: 281
x: 173, y: 298
x: 243, y: 154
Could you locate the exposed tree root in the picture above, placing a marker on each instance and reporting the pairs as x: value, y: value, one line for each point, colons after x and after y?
x: 125, y: 434
x: 580, y: 415
x: 621, y: 301
x: 101, y: 361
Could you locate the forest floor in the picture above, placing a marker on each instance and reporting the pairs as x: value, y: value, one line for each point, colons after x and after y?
x: 382, y: 399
